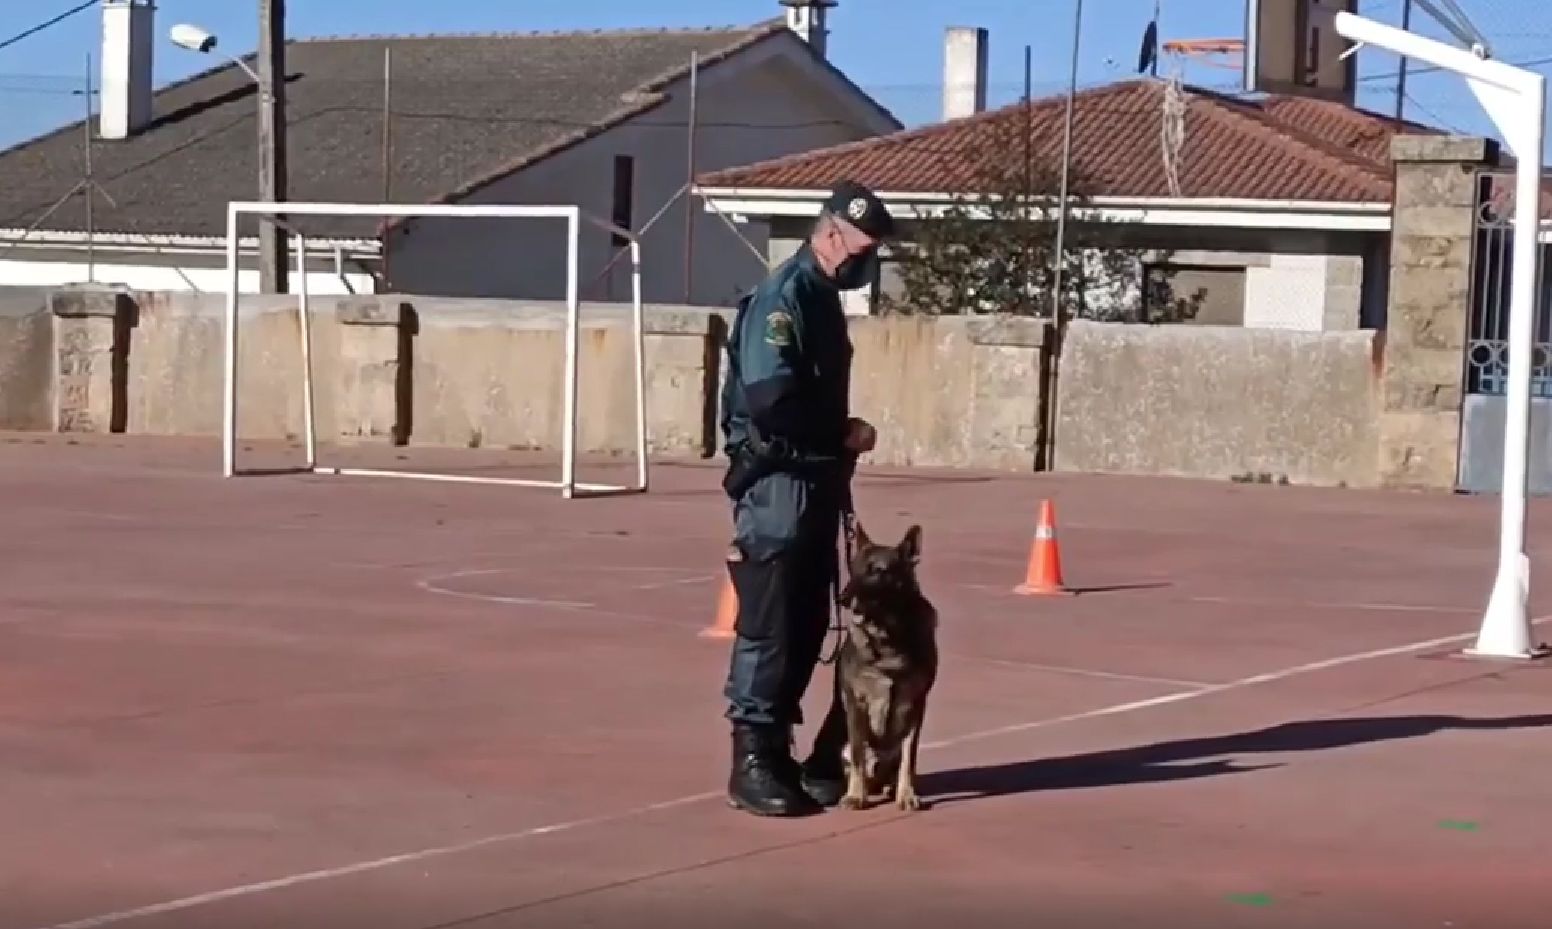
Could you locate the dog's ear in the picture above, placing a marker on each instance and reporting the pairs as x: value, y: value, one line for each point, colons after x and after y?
x: 910, y: 546
x: 862, y: 537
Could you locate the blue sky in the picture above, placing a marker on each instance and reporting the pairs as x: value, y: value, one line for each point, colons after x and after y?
x: 893, y: 48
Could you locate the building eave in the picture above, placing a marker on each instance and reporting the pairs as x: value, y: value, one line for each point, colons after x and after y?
x: 1346, y: 216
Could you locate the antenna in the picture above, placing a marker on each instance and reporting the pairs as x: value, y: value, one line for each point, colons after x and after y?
x: 88, y: 182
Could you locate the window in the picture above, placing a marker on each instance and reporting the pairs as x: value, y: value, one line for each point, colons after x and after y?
x: 624, y: 195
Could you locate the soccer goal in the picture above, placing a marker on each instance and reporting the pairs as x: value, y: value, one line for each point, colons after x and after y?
x: 573, y: 218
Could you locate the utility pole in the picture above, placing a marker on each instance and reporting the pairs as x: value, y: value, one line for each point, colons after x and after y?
x: 1057, y: 316
x: 272, y: 140
x: 1406, y: 24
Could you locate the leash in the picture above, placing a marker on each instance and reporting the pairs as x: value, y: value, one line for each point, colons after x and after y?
x: 849, y: 545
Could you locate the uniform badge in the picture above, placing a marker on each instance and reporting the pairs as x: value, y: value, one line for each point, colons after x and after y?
x: 857, y: 209
x: 778, y: 329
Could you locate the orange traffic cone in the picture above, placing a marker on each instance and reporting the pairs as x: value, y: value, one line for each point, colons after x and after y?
x: 727, y: 610
x: 1044, y: 575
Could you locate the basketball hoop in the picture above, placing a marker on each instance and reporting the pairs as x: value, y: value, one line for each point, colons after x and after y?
x: 1215, y: 53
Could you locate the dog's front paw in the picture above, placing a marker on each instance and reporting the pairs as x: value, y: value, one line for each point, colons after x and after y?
x: 908, y: 801
x: 854, y: 802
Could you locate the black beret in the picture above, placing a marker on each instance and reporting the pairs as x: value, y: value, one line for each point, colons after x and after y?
x: 860, y: 207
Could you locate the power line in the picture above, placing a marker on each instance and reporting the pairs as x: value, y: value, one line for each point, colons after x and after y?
x: 53, y: 22
x: 1432, y: 69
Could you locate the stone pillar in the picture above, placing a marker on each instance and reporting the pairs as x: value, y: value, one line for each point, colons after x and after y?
x: 91, y: 344
x: 1432, y: 228
x: 376, y: 371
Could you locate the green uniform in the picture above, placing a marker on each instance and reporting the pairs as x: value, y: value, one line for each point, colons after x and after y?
x: 785, y: 421
x: 785, y: 413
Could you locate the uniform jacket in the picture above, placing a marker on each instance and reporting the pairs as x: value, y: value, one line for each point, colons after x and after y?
x: 789, y: 367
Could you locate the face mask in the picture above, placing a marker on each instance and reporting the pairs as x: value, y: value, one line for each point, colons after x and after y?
x: 856, y: 271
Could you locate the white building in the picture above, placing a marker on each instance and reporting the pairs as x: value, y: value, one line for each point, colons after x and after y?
x: 596, y: 119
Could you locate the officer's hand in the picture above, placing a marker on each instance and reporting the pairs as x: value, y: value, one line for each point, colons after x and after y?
x: 861, y: 437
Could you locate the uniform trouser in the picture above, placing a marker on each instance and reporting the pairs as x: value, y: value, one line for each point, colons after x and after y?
x: 784, y: 607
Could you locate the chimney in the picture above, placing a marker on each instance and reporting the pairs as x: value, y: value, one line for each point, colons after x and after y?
x: 964, y: 71
x: 127, y: 42
x: 807, y: 19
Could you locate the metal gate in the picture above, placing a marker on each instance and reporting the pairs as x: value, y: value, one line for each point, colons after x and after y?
x: 1487, y: 349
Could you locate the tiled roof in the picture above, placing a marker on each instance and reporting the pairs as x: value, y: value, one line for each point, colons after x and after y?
x: 1280, y: 148
x: 467, y: 109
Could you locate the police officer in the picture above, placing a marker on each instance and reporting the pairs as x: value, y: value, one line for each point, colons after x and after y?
x: 791, y: 443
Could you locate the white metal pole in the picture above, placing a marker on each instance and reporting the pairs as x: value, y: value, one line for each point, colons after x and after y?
x: 229, y: 407
x: 569, y: 437
x: 1506, y: 629
x: 1515, y: 99
x: 304, y: 317
x: 638, y: 331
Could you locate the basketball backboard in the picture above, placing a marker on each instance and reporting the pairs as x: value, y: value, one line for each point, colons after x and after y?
x: 1291, y: 48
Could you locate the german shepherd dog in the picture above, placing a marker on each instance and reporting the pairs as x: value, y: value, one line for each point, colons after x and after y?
x: 887, y: 665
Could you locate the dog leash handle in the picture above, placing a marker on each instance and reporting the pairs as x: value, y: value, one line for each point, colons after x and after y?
x: 849, y: 540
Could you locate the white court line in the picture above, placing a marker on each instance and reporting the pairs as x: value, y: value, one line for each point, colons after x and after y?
x: 681, y: 582
x: 1339, y: 605
x: 91, y: 514
x: 1306, y: 604
x: 429, y: 585
x: 1084, y: 672
x: 432, y: 585
x: 215, y: 896
x: 307, y: 877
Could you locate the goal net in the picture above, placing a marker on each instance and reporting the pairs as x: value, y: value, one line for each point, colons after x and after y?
x: 290, y: 220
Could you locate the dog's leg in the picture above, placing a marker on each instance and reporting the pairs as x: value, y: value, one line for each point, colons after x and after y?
x: 905, y: 784
x: 856, y: 797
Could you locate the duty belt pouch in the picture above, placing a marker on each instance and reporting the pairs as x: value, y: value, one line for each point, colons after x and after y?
x: 742, y: 473
x: 757, y: 459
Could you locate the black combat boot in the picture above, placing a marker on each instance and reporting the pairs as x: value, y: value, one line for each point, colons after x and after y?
x: 763, y: 781
x: 824, y: 771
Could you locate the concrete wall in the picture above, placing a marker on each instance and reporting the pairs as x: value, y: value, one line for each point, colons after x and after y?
x: 468, y: 372
x: 1204, y: 401
x: 443, y: 372
x: 951, y: 392
x: 177, y: 365
x: 26, y: 362
x: 1220, y: 402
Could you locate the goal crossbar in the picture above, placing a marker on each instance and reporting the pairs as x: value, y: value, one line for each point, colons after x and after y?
x: 574, y: 216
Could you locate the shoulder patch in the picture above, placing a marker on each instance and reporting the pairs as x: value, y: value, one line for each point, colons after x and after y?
x: 778, y: 328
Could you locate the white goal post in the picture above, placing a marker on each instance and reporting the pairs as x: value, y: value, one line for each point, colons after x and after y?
x: 574, y: 216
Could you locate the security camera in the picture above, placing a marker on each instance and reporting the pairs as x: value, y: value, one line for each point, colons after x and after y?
x: 192, y: 38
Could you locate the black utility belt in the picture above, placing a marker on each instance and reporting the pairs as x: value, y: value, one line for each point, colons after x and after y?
x: 747, y: 467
